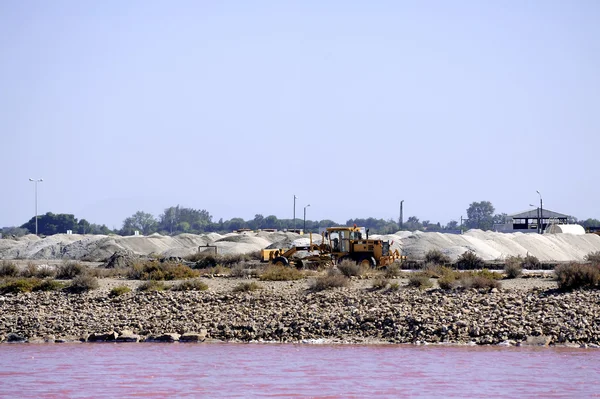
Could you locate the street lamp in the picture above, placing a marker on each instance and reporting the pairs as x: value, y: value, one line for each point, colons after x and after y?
x: 36, y: 181
x: 305, y: 217
x: 541, y: 213
x: 295, y: 198
x: 400, y: 222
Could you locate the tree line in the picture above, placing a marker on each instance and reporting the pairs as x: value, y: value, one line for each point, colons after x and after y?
x: 178, y: 220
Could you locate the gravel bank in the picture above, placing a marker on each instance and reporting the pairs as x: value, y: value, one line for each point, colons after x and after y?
x: 286, y: 312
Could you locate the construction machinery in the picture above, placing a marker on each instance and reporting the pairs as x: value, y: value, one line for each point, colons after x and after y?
x: 337, y: 244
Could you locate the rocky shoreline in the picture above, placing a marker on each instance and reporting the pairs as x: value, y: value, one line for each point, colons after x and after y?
x: 286, y: 312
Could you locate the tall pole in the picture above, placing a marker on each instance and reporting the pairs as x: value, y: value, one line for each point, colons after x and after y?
x: 304, y: 229
x: 295, y: 198
x: 401, y: 220
x: 35, y: 182
x: 541, y: 213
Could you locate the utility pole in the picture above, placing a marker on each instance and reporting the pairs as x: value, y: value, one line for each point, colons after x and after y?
x: 295, y: 198
x: 304, y: 229
x: 541, y: 219
x: 36, y: 181
x: 401, y: 219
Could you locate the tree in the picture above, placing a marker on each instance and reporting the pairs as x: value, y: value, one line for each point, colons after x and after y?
x: 51, y: 223
x: 480, y: 215
x: 83, y: 227
x: 141, y: 221
x: 14, y: 231
x: 452, y: 225
x: 500, y: 218
x: 177, y: 220
x: 413, y: 223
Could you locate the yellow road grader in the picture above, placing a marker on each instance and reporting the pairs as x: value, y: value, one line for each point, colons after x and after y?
x: 337, y: 244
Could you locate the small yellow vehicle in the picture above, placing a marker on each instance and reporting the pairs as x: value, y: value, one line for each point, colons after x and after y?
x: 337, y: 245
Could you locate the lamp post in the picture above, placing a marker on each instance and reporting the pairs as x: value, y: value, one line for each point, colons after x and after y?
x: 401, y: 221
x: 541, y: 223
x: 36, y: 181
x: 295, y: 198
x: 304, y: 229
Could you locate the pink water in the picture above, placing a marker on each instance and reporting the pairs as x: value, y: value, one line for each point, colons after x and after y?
x: 271, y: 370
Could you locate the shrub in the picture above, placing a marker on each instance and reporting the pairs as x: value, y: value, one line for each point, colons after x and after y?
x: 395, y: 286
x: 512, y: 267
x: 593, y: 257
x: 119, y: 290
x: 393, y: 271
x: 154, y: 270
x: 190, y: 285
x: 207, y: 260
x: 469, y: 260
x: 478, y: 282
x: 380, y: 283
x: 436, y: 256
x: 485, y: 273
x: 48, y: 285
x: 419, y: 280
x: 8, y: 269
x: 18, y: 285
x: 69, y: 270
x: 349, y: 268
x: 82, y: 283
x: 575, y: 275
x: 33, y: 270
x: 280, y: 273
x: 333, y: 279
x: 447, y: 282
x: 152, y: 285
x: 247, y: 287
x: 530, y: 262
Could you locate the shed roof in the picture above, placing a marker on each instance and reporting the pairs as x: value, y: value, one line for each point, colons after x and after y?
x: 533, y: 214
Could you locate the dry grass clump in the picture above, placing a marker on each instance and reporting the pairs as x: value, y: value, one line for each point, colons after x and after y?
x: 485, y: 273
x: 8, y: 269
x: 393, y: 271
x: 576, y: 275
x: 467, y: 282
x: 69, y: 270
x: 350, y: 268
x: 33, y: 270
x: 593, y: 257
x: 432, y: 270
x: 448, y: 282
x: 247, y: 287
x: 29, y: 284
x: 530, y: 262
x: 380, y: 283
x: 436, y: 256
x: 395, y: 286
x: 420, y: 280
x: 333, y: 279
x: 206, y: 260
x: 469, y: 260
x: 49, y: 284
x: 152, y: 285
x: 119, y: 290
x: 190, y: 285
x: 82, y: 283
x: 513, y: 267
x: 154, y: 270
x: 280, y: 273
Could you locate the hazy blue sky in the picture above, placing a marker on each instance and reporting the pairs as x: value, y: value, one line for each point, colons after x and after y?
x: 235, y: 106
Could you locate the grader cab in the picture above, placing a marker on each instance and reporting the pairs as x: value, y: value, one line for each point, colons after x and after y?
x: 337, y: 244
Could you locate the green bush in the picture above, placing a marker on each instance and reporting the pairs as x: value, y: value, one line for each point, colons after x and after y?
x: 152, y: 285
x: 513, y: 267
x: 436, y: 256
x: 469, y: 260
x: 18, y: 285
x: 119, y: 290
x: 247, y: 287
x: 393, y: 271
x: 478, y: 282
x: 485, y: 273
x: 395, y: 286
x: 576, y: 275
x: 69, y: 270
x: 333, y: 279
x: 48, y: 285
x: 349, y: 268
x: 420, y: 281
x: 8, y: 269
x: 155, y: 270
x: 281, y: 273
x: 82, y: 283
x: 447, y: 282
x: 190, y: 285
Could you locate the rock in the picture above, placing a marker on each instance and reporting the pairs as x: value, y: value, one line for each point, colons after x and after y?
x: 540, y: 340
x: 119, y: 260
x: 128, y: 336
x: 14, y: 337
x: 102, y: 337
x: 194, y: 336
x: 168, y: 337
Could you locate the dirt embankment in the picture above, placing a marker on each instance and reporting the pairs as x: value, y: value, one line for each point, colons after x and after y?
x: 524, y: 310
